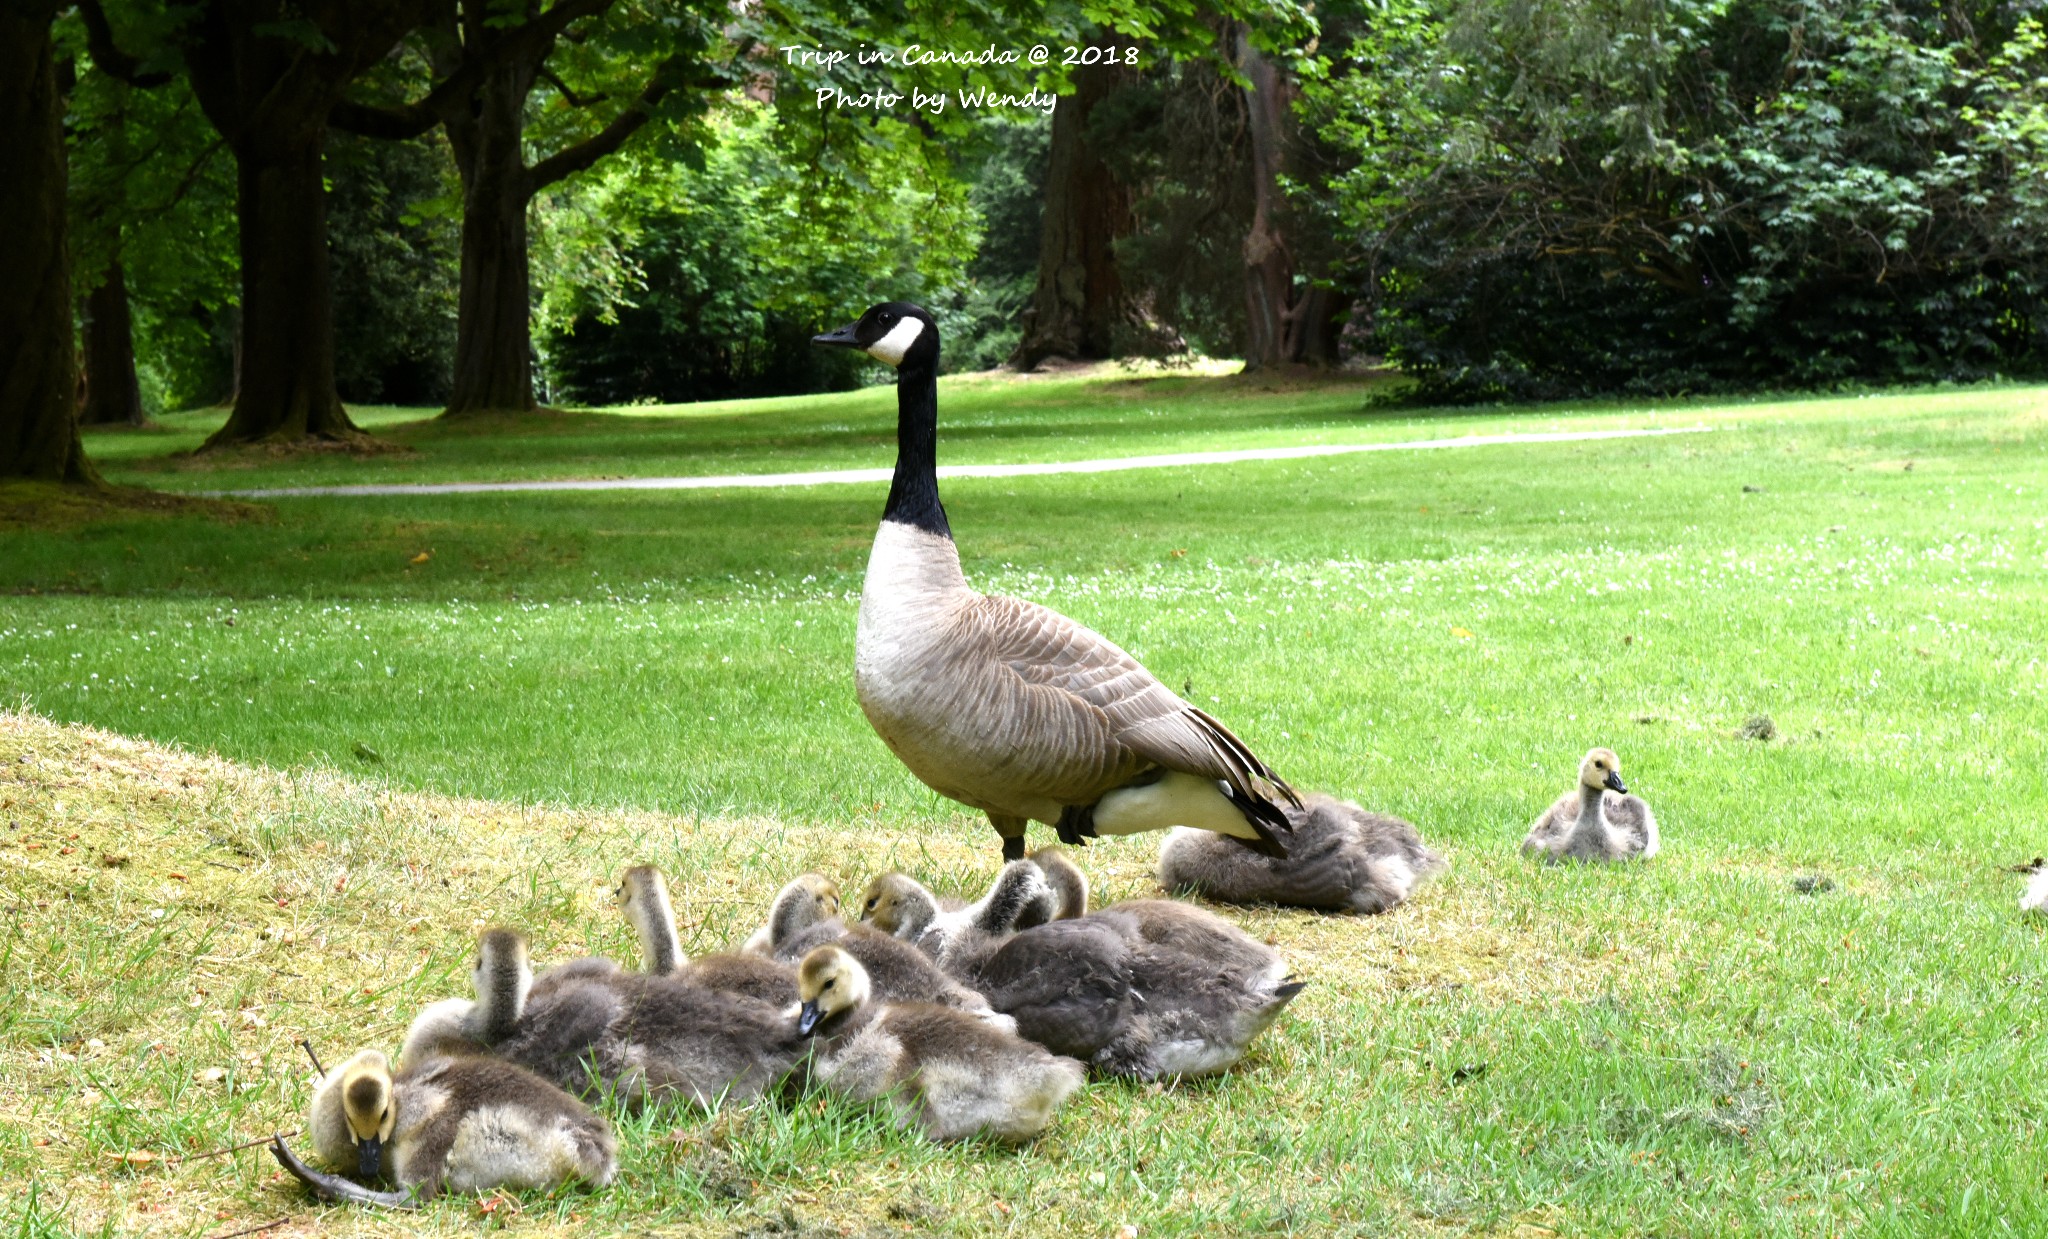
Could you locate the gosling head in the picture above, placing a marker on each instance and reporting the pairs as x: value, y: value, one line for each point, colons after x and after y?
x: 369, y: 1107
x: 1069, y: 885
x: 1602, y: 769
x: 643, y: 896
x: 809, y: 899
x: 503, y: 975
x: 828, y: 983
x: 894, y: 332
x: 898, y: 904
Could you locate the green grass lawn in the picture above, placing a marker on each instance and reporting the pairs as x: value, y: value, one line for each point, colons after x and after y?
x: 1693, y: 1047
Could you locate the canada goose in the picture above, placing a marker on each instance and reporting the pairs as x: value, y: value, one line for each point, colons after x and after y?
x: 643, y: 896
x: 1339, y: 856
x: 896, y: 970
x: 941, y: 1069
x: 1136, y: 989
x: 503, y: 980
x: 1598, y: 820
x: 466, y: 1124
x: 900, y: 906
x: 1007, y: 706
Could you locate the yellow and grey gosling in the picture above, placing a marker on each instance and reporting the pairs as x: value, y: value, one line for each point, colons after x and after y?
x: 461, y: 1124
x: 1596, y: 821
x: 1005, y: 705
x: 936, y: 1068
x: 643, y: 896
x: 1339, y: 857
x: 900, y: 906
x: 805, y: 900
x: 898, y: 972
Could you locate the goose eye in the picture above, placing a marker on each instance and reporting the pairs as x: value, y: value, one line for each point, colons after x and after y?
x: 828, y: 985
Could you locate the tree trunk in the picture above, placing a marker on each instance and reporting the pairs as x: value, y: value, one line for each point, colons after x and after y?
x: 113, y: 397
x: 38, y: 358
x: 286, y: 389
x: 493, y: 353
x: 1080, y: 301
x: 1290, y: 321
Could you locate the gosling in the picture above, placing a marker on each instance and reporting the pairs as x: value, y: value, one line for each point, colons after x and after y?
x: 463, y: 1124
x: 800, y: 922
x: 1597, y: 821
x: 503, y: 981
x: 643, y: 897
x: 936, y: 1068
x: 1339, y: 858
x: 2035, y: 900
x: 1019, y: 898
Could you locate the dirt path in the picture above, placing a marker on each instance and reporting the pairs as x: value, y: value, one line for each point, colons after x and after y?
x: 831, y: 477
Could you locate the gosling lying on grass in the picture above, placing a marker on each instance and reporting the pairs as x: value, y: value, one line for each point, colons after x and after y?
x: 936, y: 1068
x: 643, y: 897
x: 464, y: 1124
x: 1147, y: 988
x: 1596, y: 821
x: 1340, y: 857
x: 636, y: 1036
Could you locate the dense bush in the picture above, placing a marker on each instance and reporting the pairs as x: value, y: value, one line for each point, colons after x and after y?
x: 1556, y: 198
x: 395, y: 240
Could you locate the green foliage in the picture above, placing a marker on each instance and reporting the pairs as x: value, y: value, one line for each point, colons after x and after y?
x: 152, y: 186
x: 395, y: 250
x: 1554, y: 198
x: 979, y: 315
x: 674, y: 282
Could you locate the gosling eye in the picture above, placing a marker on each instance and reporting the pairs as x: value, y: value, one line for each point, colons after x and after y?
x: 828, y: 985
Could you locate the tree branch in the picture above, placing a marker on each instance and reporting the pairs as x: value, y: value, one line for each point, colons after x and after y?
x: 576, y: 158
x: 107, y: 55
x: 562, y: 88
x: 410, y: 120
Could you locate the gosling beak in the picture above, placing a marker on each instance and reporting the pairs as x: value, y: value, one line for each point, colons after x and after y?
x: 808, y: 1018
x: 370, y: 1158
x: 841, y: 338
x: 1614, y: 783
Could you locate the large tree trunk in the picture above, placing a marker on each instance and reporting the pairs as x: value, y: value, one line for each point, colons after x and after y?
x: 113, y: 397
x: 1289, y: 319
x: 286, y: 389
x: 38, y: 361
x: 493, y: 354
x: 1080, y: 301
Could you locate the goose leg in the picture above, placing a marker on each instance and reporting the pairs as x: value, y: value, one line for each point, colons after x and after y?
x: 1012, y: 831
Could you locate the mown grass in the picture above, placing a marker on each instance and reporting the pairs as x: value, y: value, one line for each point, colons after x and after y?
x: 1695, y: 1047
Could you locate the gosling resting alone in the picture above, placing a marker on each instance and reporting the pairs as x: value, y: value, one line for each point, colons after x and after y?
x: 1597, y: 821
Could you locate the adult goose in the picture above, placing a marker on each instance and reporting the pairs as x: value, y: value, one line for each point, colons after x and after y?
x: 1007, y: 706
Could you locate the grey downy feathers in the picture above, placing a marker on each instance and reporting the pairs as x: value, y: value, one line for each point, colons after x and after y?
x: 1599, y: 820
x: 1339, y: 857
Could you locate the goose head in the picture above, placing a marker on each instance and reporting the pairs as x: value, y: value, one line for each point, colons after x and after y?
x: 895, y: 332
x: 828, y: 983
x: 1602, y: 769
x: 643, y: 897
x: 369, y: 1107
x: 1069, y: 885
x: 808, y: 900
x: 898, y: 904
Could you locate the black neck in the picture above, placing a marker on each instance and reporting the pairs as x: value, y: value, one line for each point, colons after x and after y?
x: 914, y: 493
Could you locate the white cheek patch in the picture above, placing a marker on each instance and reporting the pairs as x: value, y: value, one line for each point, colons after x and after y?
x: 892, y: 347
